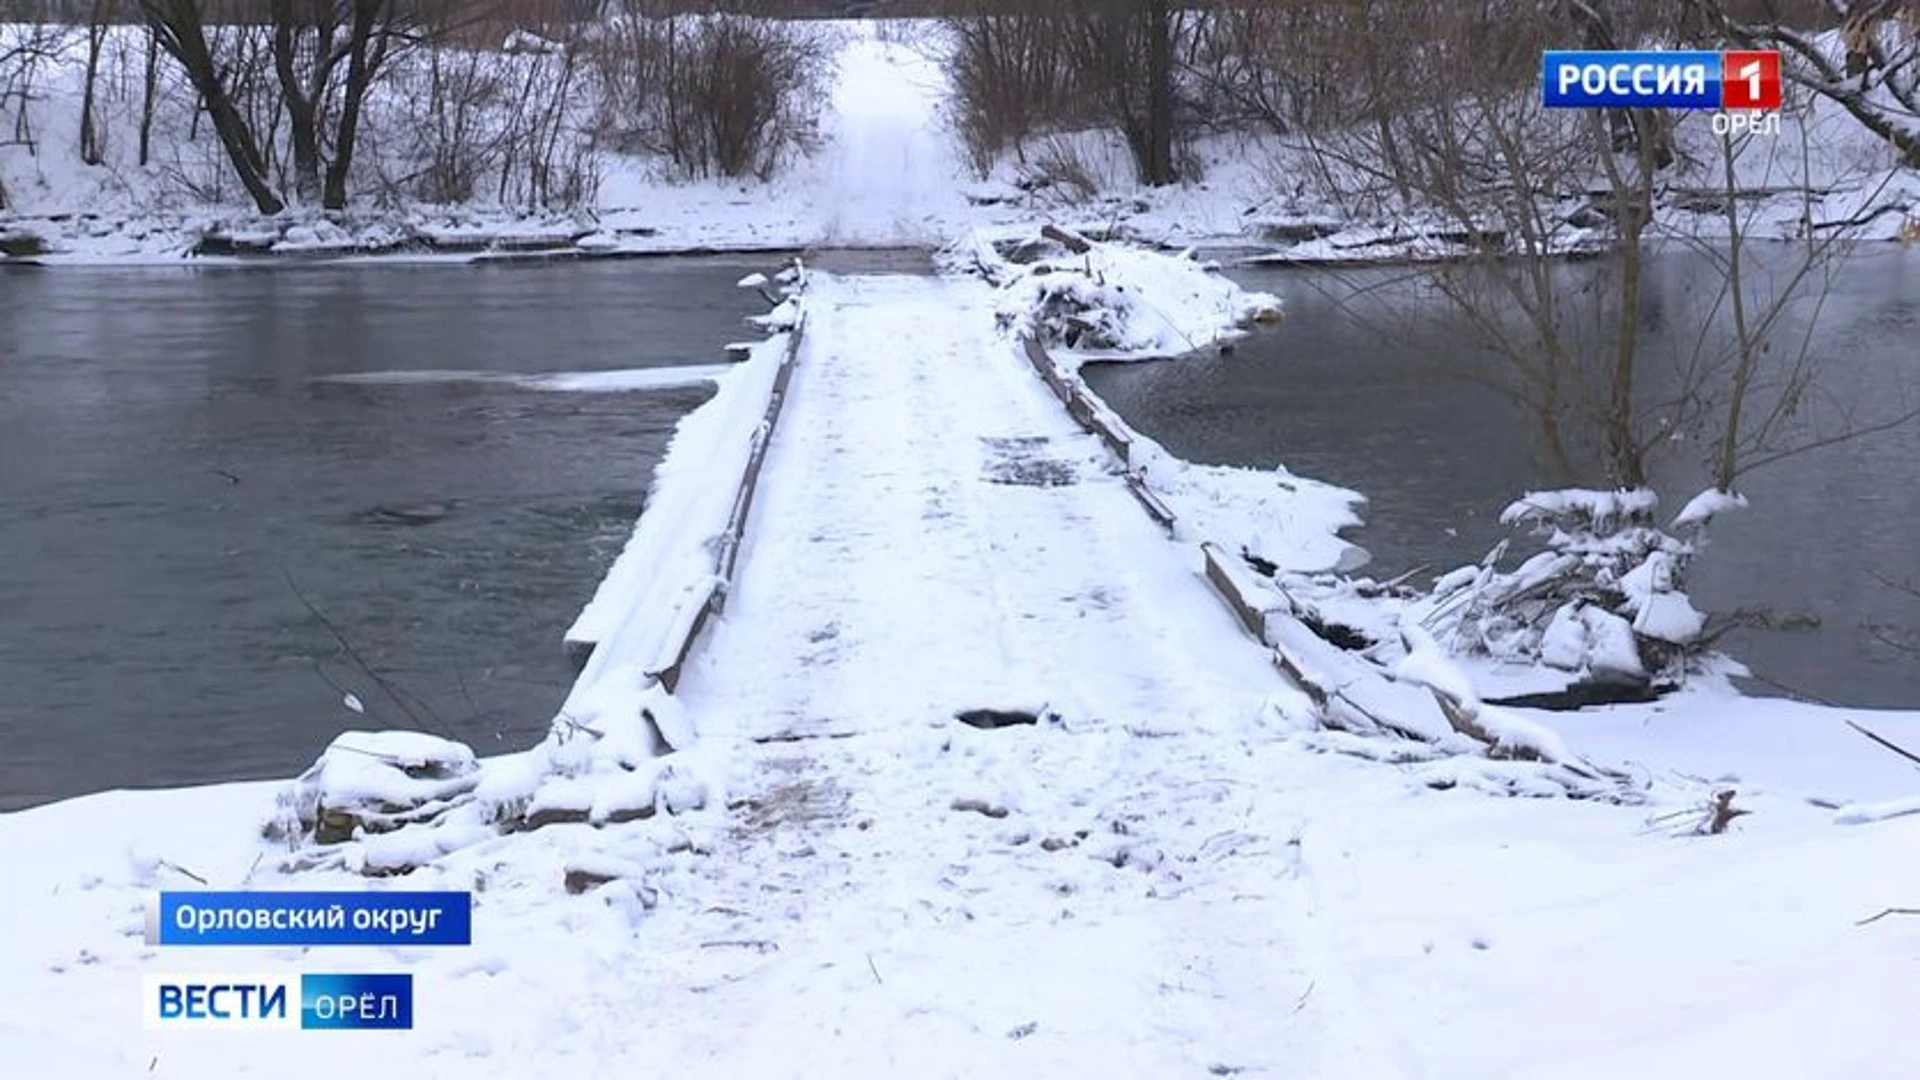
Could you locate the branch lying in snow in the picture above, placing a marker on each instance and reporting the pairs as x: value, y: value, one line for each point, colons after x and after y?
x: 1885, y: 742
x: 1504, y: 735
x: 1710, y: 818
x: 1887, y: 912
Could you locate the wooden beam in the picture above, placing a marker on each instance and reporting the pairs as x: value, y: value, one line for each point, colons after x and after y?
x: 1223, y: 581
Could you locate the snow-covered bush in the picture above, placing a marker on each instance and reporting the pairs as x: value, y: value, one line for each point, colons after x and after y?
x: 370, y: 782
x: 1605, y: 599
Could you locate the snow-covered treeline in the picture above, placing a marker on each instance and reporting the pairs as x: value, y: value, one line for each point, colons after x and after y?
x: 337, y: 104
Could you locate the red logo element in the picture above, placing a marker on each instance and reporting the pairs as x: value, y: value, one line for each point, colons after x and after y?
x: 1750, y: 80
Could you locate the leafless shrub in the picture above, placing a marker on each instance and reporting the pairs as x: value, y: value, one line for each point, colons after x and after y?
x: 1075, y: 63
x: 715, y: 95
x: 465, y: 125
x: 27, y: 51
x: 1011, y: 81
x: 1062, y: 164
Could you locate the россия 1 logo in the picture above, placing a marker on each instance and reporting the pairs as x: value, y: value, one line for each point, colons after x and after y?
x: 1734, y: 82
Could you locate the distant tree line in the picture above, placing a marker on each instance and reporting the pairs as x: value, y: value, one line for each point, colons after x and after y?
x: 322, y: 102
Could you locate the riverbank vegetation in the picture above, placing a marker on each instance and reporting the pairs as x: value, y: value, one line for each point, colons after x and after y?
x: 331, y: 104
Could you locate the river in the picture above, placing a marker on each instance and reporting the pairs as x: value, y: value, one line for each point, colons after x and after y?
x: 207, y: 539
x: 1376, y: 381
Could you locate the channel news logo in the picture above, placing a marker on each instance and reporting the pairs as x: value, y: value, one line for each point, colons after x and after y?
x: 304, y: 1002
x: 1743, y: 85
x: 309, y: 1002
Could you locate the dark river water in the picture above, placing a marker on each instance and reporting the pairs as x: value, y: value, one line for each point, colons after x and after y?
x: 1377, y: 382
x: 179, y: 468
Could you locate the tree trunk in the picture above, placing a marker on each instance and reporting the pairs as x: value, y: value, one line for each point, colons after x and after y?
x: 149, y: 93
x: 181, y: 32
x: 1727, y: 460
x: 1158, y: 164
x: 1627, y: 457
x: 90, y: 149
x: 366, y: 50
x: 302, y: 96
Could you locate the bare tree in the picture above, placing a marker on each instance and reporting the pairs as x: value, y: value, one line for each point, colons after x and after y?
x: 511, y: 122
x: 717, y: 95
x: 1122, y: 55
x: 149, y: 95
x: 1874, y: 73
x: 180, y: 28
x: 26, y: 49
x: 374, y: 27
x: 1010, y: 80
x: 305, y: 53
x: 100, y: 16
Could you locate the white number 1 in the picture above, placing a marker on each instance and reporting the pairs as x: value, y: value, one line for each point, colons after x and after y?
x: 1750, y: 71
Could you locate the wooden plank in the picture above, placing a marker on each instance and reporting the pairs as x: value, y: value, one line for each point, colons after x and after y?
x: 1086, y: 410
x: 1156, y: 509
x: 727, y: 559
x: 1110, y: 429
x: 670, y: 675
x: 1223, y: 580
x: 1049, y: 371
x: 1072, y: 241
x: 735, y: 535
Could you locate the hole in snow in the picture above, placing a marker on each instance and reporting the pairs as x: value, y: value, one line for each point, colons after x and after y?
x: 1582, y: 694
x: 994, y: 719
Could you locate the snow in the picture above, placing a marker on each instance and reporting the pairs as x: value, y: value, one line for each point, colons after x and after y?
x: 1427, y: 664
x: 669, y: 551
x: 619, y: 380
x: 1179, y: 871
x: 1709, y: 504
x: 888, y: 172
x: 1590, y: 640
x: 1659, y: 610
x: 1605, y: 510
x: 1868, y: 813
x: 397, y: 767
x: 1116, y: 300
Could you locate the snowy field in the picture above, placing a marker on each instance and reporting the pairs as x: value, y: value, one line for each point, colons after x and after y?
x: 1171, y: 871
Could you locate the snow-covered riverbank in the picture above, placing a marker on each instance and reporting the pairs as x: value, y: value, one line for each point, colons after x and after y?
x: 888, y: 172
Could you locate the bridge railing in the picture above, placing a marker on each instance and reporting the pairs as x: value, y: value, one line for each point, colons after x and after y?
x: 1093, y: 415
